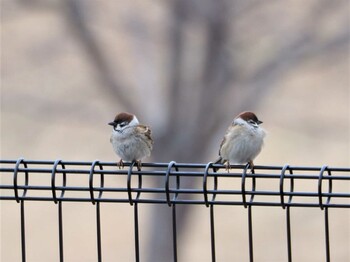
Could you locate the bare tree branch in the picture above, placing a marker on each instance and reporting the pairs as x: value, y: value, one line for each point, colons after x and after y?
x: 105, y: 74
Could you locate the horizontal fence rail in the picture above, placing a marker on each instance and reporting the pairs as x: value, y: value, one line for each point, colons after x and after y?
x: 172, y: 190
x: 168, y: 184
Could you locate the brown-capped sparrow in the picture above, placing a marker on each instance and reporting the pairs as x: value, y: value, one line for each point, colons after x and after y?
x: 242, y: 142
x: 130, y: 140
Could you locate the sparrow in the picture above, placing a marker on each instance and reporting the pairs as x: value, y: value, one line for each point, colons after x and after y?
x: 130, y: 140
x: 242, y: 142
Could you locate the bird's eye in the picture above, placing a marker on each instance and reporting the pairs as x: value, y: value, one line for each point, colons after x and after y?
x: 251, y: 122
x: 122, y: 124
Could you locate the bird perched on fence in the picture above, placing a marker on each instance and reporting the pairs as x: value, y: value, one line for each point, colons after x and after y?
x: 242, y: 142
x: 130, y: 140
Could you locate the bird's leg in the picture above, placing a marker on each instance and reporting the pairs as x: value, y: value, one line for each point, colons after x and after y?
x: 138, y: 164
x: 251, y: 165
x: 227, y: 166
x: 120, y: 164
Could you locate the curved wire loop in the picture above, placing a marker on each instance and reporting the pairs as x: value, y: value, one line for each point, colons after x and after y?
x: 205, y: 183
x: 15, y: 179
x: 91, y: 181
x: 139, y: 184
x: 320, y: 179
x: 177, y: 188
x: 283, y: 171
x: 253, y: 185
x: 53, y: 180
x: 132, y: 164
x: 167, y: 175
x: 244, y: 175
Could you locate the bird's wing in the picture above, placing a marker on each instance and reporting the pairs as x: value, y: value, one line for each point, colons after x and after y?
x: 145, y: 131
x: 222, y: 142
x: 224, y: 139
x: 229, y: 129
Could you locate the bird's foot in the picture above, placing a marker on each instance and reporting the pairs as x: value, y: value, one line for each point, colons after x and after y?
x: 138, y: 164
x: 227, y: 166
x: 251, y: 165
x: 120, y: 164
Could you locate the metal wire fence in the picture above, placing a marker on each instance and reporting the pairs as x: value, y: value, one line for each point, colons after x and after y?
x: 136, y: 187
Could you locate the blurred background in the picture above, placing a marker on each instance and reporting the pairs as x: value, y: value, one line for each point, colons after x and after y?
x: 186, y: 68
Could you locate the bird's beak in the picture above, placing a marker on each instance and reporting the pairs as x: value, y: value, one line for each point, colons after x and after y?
x: 111, y: 123
x: 260, y: 122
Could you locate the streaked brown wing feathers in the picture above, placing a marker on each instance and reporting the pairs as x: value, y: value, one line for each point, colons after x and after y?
x: 146, y: 131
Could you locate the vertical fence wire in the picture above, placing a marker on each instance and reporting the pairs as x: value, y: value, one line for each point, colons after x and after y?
x: 250, y: 211
x: 15, y: 184
x: 174, y: 217
x: 23, y: 232
x: 136, y: 230
x: 167, y: 192
x: 60, y: 231
x: 136, y: 211
x: 212, y: 233
x: 174, y: 232
x: 59, y: 212
x: 250, y: 234
x: 287, y: 208
x: 98, y: 232
x: 325, y: 208
x: 135, y: 204
x: 211, y: 206
x: 328, y: 254
x: 98, y: 210
x: 289, y: 235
